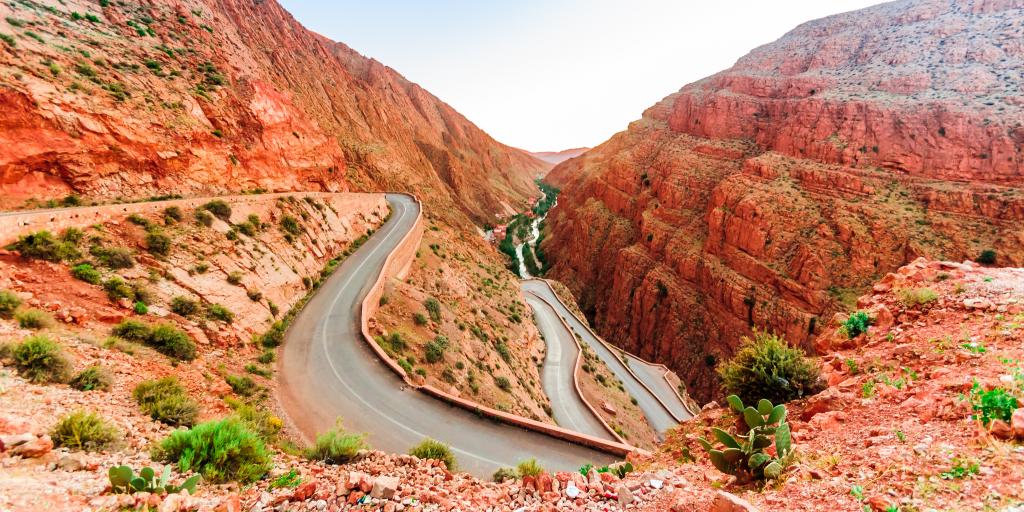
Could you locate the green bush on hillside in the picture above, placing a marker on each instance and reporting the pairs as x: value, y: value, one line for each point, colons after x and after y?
x: 93, y: 378
x: 83, y: 430
x: 165, y: 338
x: 857, y: 324
x: 767, y: 367
x: 336, y: 446
x: 33, y: 319
x: 9, y: 302
x: 219, y: 209
x: 166, y: 401
x: 43, y: 246
x: 222, y: 451
x: 40, y: 360
x: 86, y: 272
x: 435, y: 450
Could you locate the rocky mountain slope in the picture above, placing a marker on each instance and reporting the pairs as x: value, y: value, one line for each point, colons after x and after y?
x: 201, y: 97
x: 773, y: 193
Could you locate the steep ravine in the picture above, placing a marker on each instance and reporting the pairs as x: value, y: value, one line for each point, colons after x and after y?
x: 772, y: 194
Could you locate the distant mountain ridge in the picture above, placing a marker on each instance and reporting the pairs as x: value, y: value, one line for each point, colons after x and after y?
x: 557, y: 157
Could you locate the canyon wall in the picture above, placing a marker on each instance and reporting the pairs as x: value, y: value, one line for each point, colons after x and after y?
x: 772, y: 194
x: 206, y: 97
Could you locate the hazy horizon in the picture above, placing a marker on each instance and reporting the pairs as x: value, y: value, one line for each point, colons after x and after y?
x: 549, y: 76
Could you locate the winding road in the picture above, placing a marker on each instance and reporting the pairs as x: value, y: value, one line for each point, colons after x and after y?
x: 654, y: 397
x: 328, y: 371
x: 557, y: 376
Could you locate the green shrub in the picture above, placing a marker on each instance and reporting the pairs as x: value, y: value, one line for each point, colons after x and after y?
x: 992, y: 404
x: 419, y: 318
x: 258, y: 370
x: 93, y: 378
x: 744, y: 456
x: 857, y: 324
x: 393, y: 343
x: 169, y: 340
x: 911, y: 297
x: 117, y: 288
x: 165, y: 338
x: 267, y: 357
x: 503, y: 383
x: 274, y: 336
x: 529, y: 467
x: 42, y: 245
x: 219, y: 209
x: 261, y: 421
x: 219, y: 312
x: 336, y: 446
x: 175, y: 410
x: 767, y: 367
x: 204, y: 218
x: 235, y: 278
x: 72, y: 235
x: 173, y: 214
x: 433, y: 309
x: 9, y: 302
x: 166, y: 401
x: 86, y: 272
x: 184, y: 306
x: 435, y: 450
x: 40, y: 360
x: 138, y: 220
x: 83, y: 430
x: 33, y: 319
x: 141, y: 308
x: 247, y: 228
x: 436, y: 349
x: 114, y: 258
x: 503, y: 474
x: 158, y: 243
x: 241, y: 384
x: 986, y: 257
x: 254, y: 295
x: 291, y: 225
x: 222, y: 451
x: 132, y: 330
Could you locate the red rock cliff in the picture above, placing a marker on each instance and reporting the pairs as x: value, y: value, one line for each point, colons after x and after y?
x: 210, y: 96
x: 773, y: 193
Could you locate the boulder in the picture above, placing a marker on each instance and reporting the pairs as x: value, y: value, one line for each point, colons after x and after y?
x: 726, y: 502
x: 37, y: 447
x: 1017, y: 423
x: 625, y: 495
x: 384, y: 487
x: 1000, y: 429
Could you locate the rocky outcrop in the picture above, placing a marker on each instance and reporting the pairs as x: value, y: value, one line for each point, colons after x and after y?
x: 771, y: 194
x: 205, y: 97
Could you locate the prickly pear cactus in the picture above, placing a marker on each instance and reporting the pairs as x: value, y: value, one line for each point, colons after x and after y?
x: 744, y: 455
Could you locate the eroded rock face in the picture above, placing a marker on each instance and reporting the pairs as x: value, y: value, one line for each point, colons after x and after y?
x: 774, y: 193
x: 203, y: 98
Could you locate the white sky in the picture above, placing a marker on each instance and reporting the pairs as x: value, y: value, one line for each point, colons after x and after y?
x: 562, y: 73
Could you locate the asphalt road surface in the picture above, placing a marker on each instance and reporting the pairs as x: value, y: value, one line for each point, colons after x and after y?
x: 328, y: 371
x: 654, y: 377
x: 658, y: 416
x: 557, y: 375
